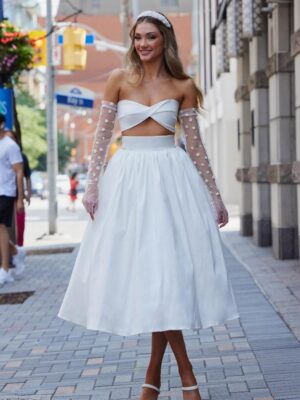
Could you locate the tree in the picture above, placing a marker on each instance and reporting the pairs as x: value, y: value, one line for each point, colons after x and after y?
x: 65, y: 147
x: 33, y: 124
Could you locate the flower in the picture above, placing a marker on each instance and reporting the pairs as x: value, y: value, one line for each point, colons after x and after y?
x: 16, y: 53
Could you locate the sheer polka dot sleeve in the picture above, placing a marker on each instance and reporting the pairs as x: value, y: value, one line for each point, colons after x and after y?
x: 194, y: 145
x: 102, y: 140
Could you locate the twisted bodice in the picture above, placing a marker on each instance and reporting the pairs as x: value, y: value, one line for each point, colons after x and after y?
x: 132, y: 113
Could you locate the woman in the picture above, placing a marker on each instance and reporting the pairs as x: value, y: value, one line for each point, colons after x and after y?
x: 151, y: 259
x: 73, y: 191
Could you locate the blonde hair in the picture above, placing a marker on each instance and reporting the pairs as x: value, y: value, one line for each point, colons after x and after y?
x: 171, y: 58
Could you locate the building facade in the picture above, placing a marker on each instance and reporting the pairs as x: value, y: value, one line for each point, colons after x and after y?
x: 255, y: 44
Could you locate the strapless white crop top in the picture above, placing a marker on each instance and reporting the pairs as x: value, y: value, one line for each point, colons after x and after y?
x: 131, y: 113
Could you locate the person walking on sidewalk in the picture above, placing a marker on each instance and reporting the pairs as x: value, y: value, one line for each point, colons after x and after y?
x: 11, y: 178
x: 151, y: 258
x: 20, y: 216
x: 73, y: 191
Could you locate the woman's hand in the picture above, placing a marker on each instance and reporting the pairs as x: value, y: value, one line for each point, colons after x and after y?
x: 221, y: 211
x: 90, y: 203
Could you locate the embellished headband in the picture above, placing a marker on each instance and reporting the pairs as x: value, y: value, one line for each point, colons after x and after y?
x: 155, y: 15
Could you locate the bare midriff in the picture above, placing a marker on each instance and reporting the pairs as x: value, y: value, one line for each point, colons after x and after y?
x: 147, y: 128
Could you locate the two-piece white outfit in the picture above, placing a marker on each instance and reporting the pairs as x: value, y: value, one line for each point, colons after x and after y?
x: 152, y: 258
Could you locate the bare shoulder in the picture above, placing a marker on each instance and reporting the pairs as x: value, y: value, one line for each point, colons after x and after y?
x: 113, y: 84
x: 188, y: 92
x: 187, y: 86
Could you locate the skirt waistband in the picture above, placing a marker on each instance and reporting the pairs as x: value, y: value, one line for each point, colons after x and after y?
x: 148, y: 142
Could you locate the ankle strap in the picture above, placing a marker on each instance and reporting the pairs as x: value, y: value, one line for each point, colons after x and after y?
x: 147, y: 385
x: 187, y: 388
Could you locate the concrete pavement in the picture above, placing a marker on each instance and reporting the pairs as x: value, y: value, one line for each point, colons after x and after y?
x: 43, y: 357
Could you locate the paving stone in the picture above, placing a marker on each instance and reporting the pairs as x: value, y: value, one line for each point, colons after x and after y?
x: 256, y: 356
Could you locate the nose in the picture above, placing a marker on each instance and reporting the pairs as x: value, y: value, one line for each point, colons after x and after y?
x: 143, y: 42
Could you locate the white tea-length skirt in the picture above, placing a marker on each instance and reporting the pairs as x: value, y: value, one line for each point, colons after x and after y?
x: 152, y: 259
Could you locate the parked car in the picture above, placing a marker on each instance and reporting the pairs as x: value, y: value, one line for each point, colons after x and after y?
x: 63, y: 183
x: 38, y: 186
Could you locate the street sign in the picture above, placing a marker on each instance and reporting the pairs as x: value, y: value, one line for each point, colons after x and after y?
x: 6, y: 107
x: 89, y: 39
x: 69, y: 95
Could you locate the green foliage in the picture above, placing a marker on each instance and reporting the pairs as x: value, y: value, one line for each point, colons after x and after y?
x: 34, y: 138
x: 33, y: 133
x: 33, y: 125
x: 16, y: 53
x: 24, y: 99
x: 65, y: 147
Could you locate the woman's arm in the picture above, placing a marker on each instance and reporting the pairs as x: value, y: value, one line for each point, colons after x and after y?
x: 102, y: 139
x: 188, y: 116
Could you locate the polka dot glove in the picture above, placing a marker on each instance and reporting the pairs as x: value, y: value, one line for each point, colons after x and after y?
x: 102, y: 140
x: 194, y: 145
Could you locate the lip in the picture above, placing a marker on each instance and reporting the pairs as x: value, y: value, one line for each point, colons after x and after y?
x: 144, y: 52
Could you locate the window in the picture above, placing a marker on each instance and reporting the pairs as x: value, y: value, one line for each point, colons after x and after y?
x: 169, y: 3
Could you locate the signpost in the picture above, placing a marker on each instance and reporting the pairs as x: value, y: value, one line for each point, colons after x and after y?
x: 6, y: 106
x: 69, y: 95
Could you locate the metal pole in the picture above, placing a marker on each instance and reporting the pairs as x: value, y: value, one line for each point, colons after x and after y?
x: 51, y: 127
x: 135, y: 8
x: 124, y: 17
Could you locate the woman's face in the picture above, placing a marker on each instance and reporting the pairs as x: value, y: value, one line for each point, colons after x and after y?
x: 148, y: 42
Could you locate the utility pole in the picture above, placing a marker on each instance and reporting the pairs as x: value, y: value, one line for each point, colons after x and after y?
x: 135, y: 9
x: 52, y: 167
x: 124, y: 18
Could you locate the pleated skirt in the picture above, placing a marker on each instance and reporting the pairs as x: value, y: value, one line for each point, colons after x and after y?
x: 152, y: 258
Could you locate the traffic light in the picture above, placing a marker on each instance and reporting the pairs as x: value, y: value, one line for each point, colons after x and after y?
x: 74, y: 49
x: 40, y: 48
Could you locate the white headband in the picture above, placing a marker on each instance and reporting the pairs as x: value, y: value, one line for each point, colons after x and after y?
x: 155, y: 15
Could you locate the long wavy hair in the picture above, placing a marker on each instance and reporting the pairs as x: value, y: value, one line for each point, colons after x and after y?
x: 171, y: 58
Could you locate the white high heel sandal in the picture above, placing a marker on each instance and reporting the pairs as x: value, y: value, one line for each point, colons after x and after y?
x: 188, y: 388
x: 147, y: 385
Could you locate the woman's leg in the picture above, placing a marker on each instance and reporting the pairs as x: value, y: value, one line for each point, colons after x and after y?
x: 185, y: 368
x: 159, y: 344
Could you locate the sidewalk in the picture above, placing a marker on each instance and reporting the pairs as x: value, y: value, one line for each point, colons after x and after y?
x: 279, y: 280
x: 43, y: 357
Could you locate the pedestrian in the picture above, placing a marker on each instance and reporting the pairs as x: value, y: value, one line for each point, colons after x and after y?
x: 151, y: 257
x: 11, y: 179
x: 21, y: 216
x: 73, y: 191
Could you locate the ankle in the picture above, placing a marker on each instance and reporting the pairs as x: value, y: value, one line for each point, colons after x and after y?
x: 153, y: 376
x: 185, y: 370
x: 187, y: 376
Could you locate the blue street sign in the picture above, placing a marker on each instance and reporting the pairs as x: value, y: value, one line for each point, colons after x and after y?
x: 6, y: 106
x: 75, y: 97
x: 74, y: 101
x: 89, y: 39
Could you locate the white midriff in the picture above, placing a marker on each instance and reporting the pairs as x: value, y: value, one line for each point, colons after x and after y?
x: 131, y: 113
